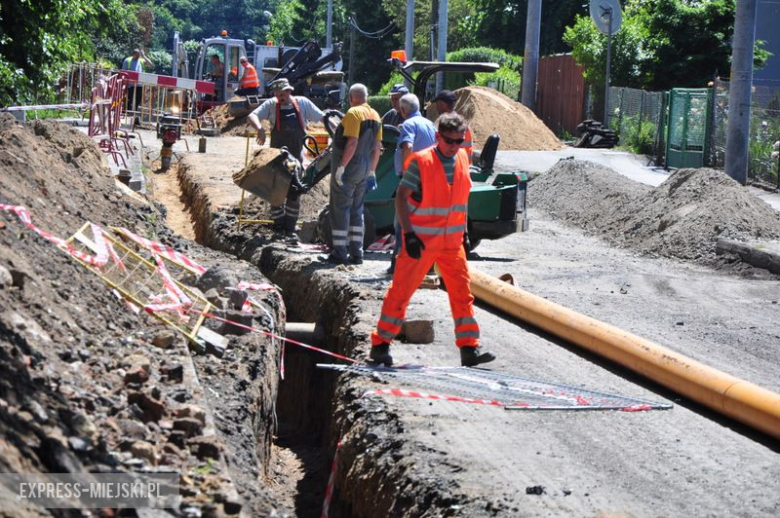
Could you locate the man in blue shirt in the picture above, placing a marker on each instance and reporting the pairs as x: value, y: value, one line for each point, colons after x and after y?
x: 417, y: 133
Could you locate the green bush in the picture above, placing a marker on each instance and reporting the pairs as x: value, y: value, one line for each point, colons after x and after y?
x: 487, y: 55
x: 638, y: 139
x: 161, y: 62
x: 395, y: 78
x: 505, y: 80
x: 381, y: 103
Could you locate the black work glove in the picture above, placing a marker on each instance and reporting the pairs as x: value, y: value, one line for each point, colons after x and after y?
x: 414, y: 245
x: 466, y: 242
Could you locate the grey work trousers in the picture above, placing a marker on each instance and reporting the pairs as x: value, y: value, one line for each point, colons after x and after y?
x: 346, y: 215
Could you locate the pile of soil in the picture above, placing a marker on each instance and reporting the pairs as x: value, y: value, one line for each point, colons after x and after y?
x: 490, y: 112
x: 229, y: 125
x: 681, y: 218
x: 258, y: 165
x: 311, y: 203
x: 85, y: 384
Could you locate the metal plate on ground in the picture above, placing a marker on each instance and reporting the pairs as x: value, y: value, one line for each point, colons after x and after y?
x: 495, y: 388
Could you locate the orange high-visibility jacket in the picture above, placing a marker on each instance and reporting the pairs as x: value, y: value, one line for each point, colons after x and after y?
x: 249, y: 79
x: 439, y: 217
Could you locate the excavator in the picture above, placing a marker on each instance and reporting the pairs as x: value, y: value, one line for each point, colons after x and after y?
x: 313, y: 72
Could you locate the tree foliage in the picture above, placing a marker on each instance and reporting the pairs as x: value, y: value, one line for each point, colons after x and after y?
x: 38, y: 39
x: 662, y: 44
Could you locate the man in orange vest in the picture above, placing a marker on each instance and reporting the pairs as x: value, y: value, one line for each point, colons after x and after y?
x: 249, y: 84
x: 432, y: 205
x: 445, y: 103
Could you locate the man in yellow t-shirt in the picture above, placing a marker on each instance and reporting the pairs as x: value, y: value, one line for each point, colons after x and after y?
x: 356, y: 149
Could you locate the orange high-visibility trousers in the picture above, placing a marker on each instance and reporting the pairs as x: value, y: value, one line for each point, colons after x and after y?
x: 409, y: 273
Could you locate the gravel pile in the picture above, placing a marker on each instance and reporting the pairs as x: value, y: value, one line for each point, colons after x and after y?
x: 681, y: 218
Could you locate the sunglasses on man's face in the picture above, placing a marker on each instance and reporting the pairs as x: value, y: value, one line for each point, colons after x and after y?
x: 452, y: 141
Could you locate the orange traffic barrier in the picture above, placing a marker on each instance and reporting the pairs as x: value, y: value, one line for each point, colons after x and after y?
x: 738, y: 399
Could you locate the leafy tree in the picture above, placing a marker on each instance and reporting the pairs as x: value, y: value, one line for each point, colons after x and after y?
x: 662, y: 44
x: 589, y: 48
x: 38, y: 39
x: 501, y: 23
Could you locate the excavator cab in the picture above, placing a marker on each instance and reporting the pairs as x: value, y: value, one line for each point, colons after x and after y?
x: 228, y: 52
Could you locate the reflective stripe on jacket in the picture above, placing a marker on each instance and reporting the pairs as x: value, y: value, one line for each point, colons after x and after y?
x: 440, y: 217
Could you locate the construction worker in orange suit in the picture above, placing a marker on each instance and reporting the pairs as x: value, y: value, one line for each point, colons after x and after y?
x: 249, y: 84
x: 445, y: 103
x: 432, y: 204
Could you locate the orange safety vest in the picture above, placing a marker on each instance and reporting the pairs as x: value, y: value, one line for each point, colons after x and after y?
x: 439, y: 218
x: 249, y: 79
x: 468, y: 144
x: 297, y: 112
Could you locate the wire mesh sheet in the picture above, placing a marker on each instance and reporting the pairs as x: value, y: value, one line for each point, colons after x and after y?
x: 638, y: 117
x: 137, y: 281
x: 511, y: 391
x: 764, y: 129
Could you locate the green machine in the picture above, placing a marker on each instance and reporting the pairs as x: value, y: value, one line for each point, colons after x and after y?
x: 497, y: 203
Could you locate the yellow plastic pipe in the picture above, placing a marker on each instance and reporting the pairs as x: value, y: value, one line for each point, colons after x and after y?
x: 741, y: 400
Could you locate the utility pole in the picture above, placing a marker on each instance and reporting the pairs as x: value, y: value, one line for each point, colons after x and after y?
x: 443, y: 11
x: 434, y: 10
x: 741, y: 83
x: 329, y: 26
x: 609, y: 67
x: 352, y: 50
x: 533, y: 25
x: 409, y: 36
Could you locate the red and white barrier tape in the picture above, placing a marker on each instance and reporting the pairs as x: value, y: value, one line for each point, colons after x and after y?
x: 386, y: 243
x: 331, y: 483
x: 165, y: 251
x: 99, y: 259
x: 274, y: 335
x: 412, y: 393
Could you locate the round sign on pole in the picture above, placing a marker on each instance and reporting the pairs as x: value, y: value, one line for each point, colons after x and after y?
x: 601, y: 10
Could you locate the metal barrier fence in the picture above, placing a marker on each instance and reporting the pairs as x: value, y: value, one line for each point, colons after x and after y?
x: 78, y: 81
x: 764, y: 129
x: 639, y: 118
x: 148, y: 96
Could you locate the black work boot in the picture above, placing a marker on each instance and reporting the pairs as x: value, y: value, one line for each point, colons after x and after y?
x: 381, y: 354
x: 472, y: 356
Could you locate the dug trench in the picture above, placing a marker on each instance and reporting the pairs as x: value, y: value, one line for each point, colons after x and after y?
x: 405, y: 457
x: 379, y: 471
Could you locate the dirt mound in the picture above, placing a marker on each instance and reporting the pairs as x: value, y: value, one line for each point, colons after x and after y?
x: 681, y: 218
x: 684, y: 216
x: 227, y: 124
x: 258, y: 165
x: 586, y: 194
x: 490, y: 112
x: 82, y: 387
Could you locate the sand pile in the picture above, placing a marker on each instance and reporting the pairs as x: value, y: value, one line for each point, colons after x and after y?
x: 682, y: 218
x: 490, y: 112
x: 232, y: 126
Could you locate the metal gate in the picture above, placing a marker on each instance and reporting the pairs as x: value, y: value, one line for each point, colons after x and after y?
x: 688, y: 127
